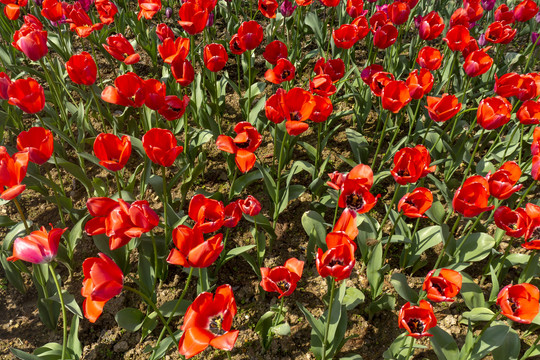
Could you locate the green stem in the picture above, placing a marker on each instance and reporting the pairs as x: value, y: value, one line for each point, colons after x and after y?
x: 441, y: 255
x: 394, y: 198
x: 278, y: 179
x: 21, y: 213
x: 63, y: 306
x: 383, y: 132
x: 328, y: 316
x: 472, y: 156
x: 529, y: 59
x: 49, y: 176
x: 391, y: 234
x: 412, y: 122
x: 531, y: 349
x: 154, y: 247
x: 165, y: 198
x: 232, y: 183
x: 410, y: 348
x: 336, y: 210
x: 524, y: 196
x: 118, y: 184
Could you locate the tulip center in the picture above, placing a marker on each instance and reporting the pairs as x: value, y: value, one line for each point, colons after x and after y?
x: 335, y: 262
x: 410, y: 202
x: 285, y: 74
x: 243, y: 145
x: 403, y: 172
x: 416, y: 326
x: 355, y: 201
x: 236, y: 46
x: 513, y: 305
x: 536, y: 233
x: 438, y: 288
x: 296, y: 116
x: 512, y: 226
x: 283, y: 285
x: 216, y: 325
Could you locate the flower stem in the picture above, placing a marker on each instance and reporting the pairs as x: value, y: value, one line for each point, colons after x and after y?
x: 21, y: 213
x: 410, y: 348
x: 118, y: 186
x: 391, y: 234
x: 278, y: 179
x: 327, y: 327
x: 394, y: 198
x: 441, y: 255
x: 383, y: 132
x: 231, y: 192
x: 164, y: 176
x: 62, y: 304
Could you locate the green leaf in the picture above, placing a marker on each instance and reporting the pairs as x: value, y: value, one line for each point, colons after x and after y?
x: 509, y: 349
x: 23, y: 355
x: 374, y: 274
x: 70, y: 302
x: 73, y: 342
x: 245, y: 180
x: 316, y: 324
x: 425, y: 239
x: 476, y: 247
x: 385, y: 302
x: 77, y: 172
x: 472, y: 293
x: 130, y: 319
x: 49, y: 351
x: 352, y: 357
x: 263, y: 327
x: 6, y: 221
x: 281, y: 329
x: 313, y: 224
x: 399, y: 281
x: 168, y: 307
x: 443, y: 344
x: 353, y: 297
x: 477, y: 314
x: 13, y: 274
x: 492, y: 338
x: 359, y: 146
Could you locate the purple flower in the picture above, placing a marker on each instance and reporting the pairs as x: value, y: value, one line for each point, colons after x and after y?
x: 383, y: 8
x: 482, y: 40
x: 287, y: 9
x: 38, y: 2
x: 168, y: 12
x: 210, y: 20
x: 417, y: 21
x: 537, y: 17
x: 534, y: 37
x: 488, y: 5
x: 86, y: 4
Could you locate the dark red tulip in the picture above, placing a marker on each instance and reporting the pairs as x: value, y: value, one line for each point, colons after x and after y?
x: 182, y: 71
x: 193, y: 17
x: 525, y: 10
x: 250, y: 35
x: 500, y: 33
x: 345, y: 36
x: 235, y: 46
x: 399, y: 12
x: 514, y: 223
x: 379, y: 81
x: 477, y: 63
x: 431, y: 26
x: 417, y: 320
x: 215, y: 57
x: 274, y: 51
x: 161, y: 146
x: 282, y: 279
x: 163, y: 31
x: 504, y: 14
x: 27, y: 95
x: 443, y: 108
x: 369, y: 72
x: 232, y: 215
x: 443, y: 287
x: 174, y: 107
x: 395, y: 96
x: 207, y: 213
x: 355, y: 8
x: 32, y: 41
x: 113, y: 153
x: 12, y: 170
x: 378, y: 19
x: 250, y: 206
x: 82, y: 69
x: 527, y: 87
x: 419, y: 84
x: 532, y: 234
x: 192, y: 250
x: 283, y: 71
x: 474, y: 10
x: 362, y: 27
x: 38, y: 142
x: 335, y: 68
x: 242, y: 146
x: 416, y: 203
x: 411, y: 164
x: 385, y: 36
x: 519, y: 302
x: 470, y: 47
x: 5, y: 81
x: 502, y: 183
x: 471, y: 199
x: 493, y: 112
x: 457, y: 38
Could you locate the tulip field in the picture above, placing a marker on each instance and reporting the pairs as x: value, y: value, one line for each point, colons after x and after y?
x: 270, y: 179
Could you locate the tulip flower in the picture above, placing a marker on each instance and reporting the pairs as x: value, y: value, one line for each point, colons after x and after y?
x: 345, y: 36
x: 208, y: 321
x: 385, y: 36
x: 207, y: 213
x: 443, y: 108
x: 154, y: 93
x: 174, y: 107
x: 182, y: 71
x: 12, y: 172
x: 121, y: 49
x: 191, y: 250
x: 79, y: 21
x: 493, y: 112
x: 514, y: 223
x: 477, y: 63
x: 500, y: 33
x: 395, y: 96
x: 32, y: 41
x: 417, y: 320
x: 52, y: 10
x: 369, y: 73
x: 274, y: 51
x: 335, y: 68
x: 282, y: 279
x: 431, y: 26
x: 113, y: 153
x: 379, y: 82
x: 322, y: 85
x: 535, y: 146
x: 232, y: 215
x: 38, y: 142
x: 283, y: 71
x: 416, y: 203
x: 215, y: 57
x: 529, y: 113
x: 103, y: 280
x: 37, y: 248
x: 502, y: 183
x: 26, y: 94
x: 519, y: 302
x: 362, y: 27
x: 429, y: 58
x: 287, y: 8
x: 532, y: 233
x: 161, y: 147
x: 411, y: 164
x: 296, y: 107
x: 399, y: 12
x: 460, y: 17
x: 504, y: 14
x: 193, y: 17
x: 443, y: 287
x: 507, y: 85
x: 338, y: 261
x: 355, y: 8
x: 250, y: 206
x: 379, y: 19
x: 5, y: 81
x: 419, y: 84
x: 457, y: 38
x: 471, y: 199
x: 525, y: 10
x: 106, y: 10
x: 163, y: 31
x: 242, y: 146
x: 235, y: 46
x: 268, y: 8
x: 149, y: 8
x: 322, y: 110
x: 128, y: 90
x: 355, y: 196
x: 174, y: 50
x: 250, y: 34
x: 82, y: 69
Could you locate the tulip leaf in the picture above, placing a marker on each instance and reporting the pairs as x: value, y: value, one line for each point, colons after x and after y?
x: 244, y: 181
x: 15, y: 232
x: 436, y: 212
x: 374, y: 274
x: 263, y: 327
x: 399, y: 349
x: 130, y: 319
x: 425, y: 239
x: 443, y: 344
x: 476, y: 315
x: 510, y: 348
x: 399, y: 281
x: 492, y: 338
x: 472, y: 293
x: 476, y: 247
x: 150, y: 323
x: 316, y: 324
x: 385, y: 302
x: 353, y: 297
x: 73, y: 342
x: 5, y: 221
x: 22, y: 354
x: 281, y: 329
x: 359, y: 146
x: 70, y: 302
x: 313, y: 224
x: 312, y: 20
x: 531, y: 271
x: 77, y: 172
x: 269, y: 182
x: 13, y: 274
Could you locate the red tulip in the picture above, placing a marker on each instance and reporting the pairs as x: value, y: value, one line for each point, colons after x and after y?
x: 5, y: 81
x: 429, y: 58
x: 355, y: 8
x: 113, y: 153
x: 395, y: 96
x: 174, y: 107
x: 283, y: 71
x: 355, y: 196
x: 268, y: 8
x: 242, y: 146
x: 474, y: 10
x: 103, y: 280
x: 411, y: 164
x: 250, y: 35
x: 27, y: 95
x: 527, y: 87
x: 399, y: 12
x: 330, y: 3
x: 37, y: 248
x: 535, y: 146
x: 207, y: 213
x: 282, y: 279
x: 149, y: 8
x: 535, y: 169
x: 161, y: 146
x: 471, y: 199
x: 191, y: 250
x: 52, y: 10
x: 504, y: 14
x: 250, y: 206
x: 347, y: 224
x: 32, y: 41
x: 443, y: 108
x: 417, y: 320
x: 121, y: 49
x: 235, y: 46
x: 477, y: 63
x: 500, y: 33
x: 525, y: 10
x: 379, y: 82
x: 514, y: 223
x: 232, y: 215
x: 215, y: 57
x: 322, y: 110
x: 128, y: 90
x: 174, y: 49
x: 507, y: 85
x: 338, y: 261
x: 182, y: 71
x: 79, y: 21
x: 38, y: 142
x: 369, y: 72
x: 345, y: 36
x: 297, y: 106
x: 12, y: 173
x: 378, y: 19
x: 335, y: 68
x: 322, y: 85
x: 470, y: 47
x: 193, y: 17
x: 106, y: 10
x: 431, y: 26
x: 385, y: 36
x: 529, y: 113
x: 457, y: 38
x: 532, y: 233
x: 82, y: 69
x: 493, y: 112
x: 208, y: 321
x: 163, y: 31
x: 419, y: 84
x: 362, y: 27
x: 274, y: 51
x: 519, y: 302
x: 416, y: 203
x: 154, y: 93
x: 443, y: 287
x: 502, y: 183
